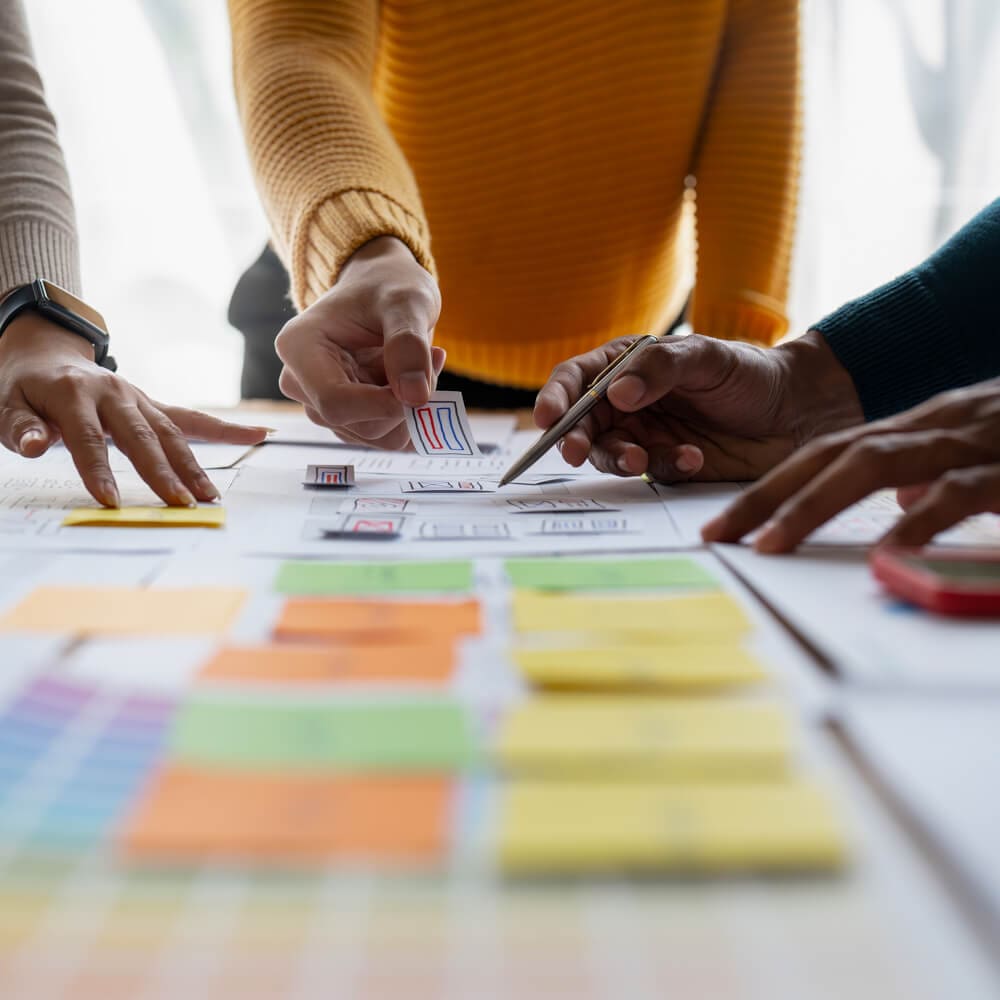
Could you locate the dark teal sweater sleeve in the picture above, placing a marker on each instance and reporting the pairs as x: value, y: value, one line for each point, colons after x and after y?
x: 934, y: 328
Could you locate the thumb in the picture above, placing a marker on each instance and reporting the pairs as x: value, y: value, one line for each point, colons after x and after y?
x: 23, y: 431
x: 407, y: 331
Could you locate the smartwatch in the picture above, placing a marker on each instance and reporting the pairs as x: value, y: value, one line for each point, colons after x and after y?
x: 64, y: 309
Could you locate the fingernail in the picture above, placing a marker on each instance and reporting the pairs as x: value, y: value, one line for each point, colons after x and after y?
x: 183, y: 495
x: 623, y: 463
x: 108, y: 493
x: 28, y: 438
x: 269, y: 431
x: 208, y: 487
x: 771, y: 538
x: 686, y: 463
x: 629, y: 389
x: 413, y: 388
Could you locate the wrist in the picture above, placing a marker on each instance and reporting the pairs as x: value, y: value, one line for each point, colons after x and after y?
x: 31, y: 332
x: 821, y: 397
x: 376, y: 251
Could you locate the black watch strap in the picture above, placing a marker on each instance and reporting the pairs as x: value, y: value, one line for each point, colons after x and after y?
x: 62, y: 308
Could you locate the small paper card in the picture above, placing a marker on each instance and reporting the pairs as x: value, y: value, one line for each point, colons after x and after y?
x: 365, y: 526
x: 329, y: 475
x: 145, y: 517
x: 441, y: 426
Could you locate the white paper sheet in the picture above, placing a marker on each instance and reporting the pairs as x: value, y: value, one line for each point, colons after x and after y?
x: 831, y: 598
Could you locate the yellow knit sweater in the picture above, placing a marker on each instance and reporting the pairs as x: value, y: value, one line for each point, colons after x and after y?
x: 535, y: 155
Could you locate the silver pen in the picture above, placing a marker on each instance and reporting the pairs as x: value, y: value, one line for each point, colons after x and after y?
x: 596, y: 391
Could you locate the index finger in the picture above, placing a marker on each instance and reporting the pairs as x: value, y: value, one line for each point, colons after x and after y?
x: 86, y: 442
x: 569, y: 379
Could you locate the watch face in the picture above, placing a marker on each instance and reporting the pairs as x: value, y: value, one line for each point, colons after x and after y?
x: 74, y: 305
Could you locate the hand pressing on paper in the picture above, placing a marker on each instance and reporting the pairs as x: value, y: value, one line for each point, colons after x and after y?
x: 50, y: 388
x: 363, y: 350
x: 698, y: 408
x: 944, y: 456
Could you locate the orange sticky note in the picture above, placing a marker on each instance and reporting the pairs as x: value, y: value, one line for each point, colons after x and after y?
x: 192, y: 813
x: 125, y: 610
x: 361, y: 620
x: 419, y: 661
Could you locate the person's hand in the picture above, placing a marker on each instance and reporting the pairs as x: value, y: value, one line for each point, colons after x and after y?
x: 944, y: 456
x: 356, y: 355
x: 50, y: 387
x: 699, y: 408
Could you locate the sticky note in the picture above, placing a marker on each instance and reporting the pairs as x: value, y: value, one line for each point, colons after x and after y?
x: 126, y: 610
x: 429, y: 662
x: 189, y: 814
x: 633, y: 665
x: 549, y: 827
x: 340, y: 620
x: 607, y: 574
x: 383, y: 734
x: 146, y: 517
x: 652, y: 737
x: 312, y: 578
x: 441, y: 427
x: 691, y: 615
x: 329, y: 475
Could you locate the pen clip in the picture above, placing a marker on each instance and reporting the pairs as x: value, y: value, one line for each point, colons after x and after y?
x: 622, y: 358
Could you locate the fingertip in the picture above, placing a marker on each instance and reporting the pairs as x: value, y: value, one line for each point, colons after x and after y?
x: 33, y: 442
x: 714, y: 530
x: 626, y: 392
x: 412, y: 388
x: 633, y: 460
x: 106, y: 493
x: 689, y: 459
x: 771, y: 539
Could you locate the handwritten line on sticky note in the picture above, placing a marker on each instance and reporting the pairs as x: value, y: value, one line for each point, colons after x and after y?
x: 693, y: 615
x: 398, y: 734
x: 607, y: 574
x: 441, y: 427
x: 146, y: 517
x: 577, y: 827
x: 195, y: 813
x: 430, y: 662
x: 636, y: 665
x: 636, y: 737
x: 126, y: 610
x: 308, y: 578
x: 340, y: 620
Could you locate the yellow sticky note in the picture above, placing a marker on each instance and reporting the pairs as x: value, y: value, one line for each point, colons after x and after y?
x: 636, y: 665
x: 146, y: 517
x: 695, y: 615
x: 637, y: 737
x: 125, y: 611
x: 549, y: 827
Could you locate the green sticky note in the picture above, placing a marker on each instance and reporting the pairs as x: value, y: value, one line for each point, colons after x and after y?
x: 329, y: 578
x: 397, y: 735
x: 608, y: 574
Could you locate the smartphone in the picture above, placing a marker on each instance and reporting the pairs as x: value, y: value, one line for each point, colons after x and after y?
x: 949, y: 583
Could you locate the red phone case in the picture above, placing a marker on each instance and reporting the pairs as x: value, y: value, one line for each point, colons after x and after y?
x: 934, y: 591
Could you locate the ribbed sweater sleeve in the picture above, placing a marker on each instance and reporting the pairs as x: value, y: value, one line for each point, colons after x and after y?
x: 746, y: 174
x: 934, y: 328
x: 329, y: 171
x: 37, y: 224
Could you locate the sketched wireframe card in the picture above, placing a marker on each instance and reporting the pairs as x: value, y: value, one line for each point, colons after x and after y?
x: 441, y: 427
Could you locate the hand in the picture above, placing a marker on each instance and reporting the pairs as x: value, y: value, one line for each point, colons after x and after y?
x: 699, y: 408
x: 51, y: 388
x: 944, y: 454
x: 356, y: 355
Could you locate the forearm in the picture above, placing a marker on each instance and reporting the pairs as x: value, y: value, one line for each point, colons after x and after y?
x: 37, y: 225
x: 934, y: 328
x: 746, y: 174
x: 330, y: 174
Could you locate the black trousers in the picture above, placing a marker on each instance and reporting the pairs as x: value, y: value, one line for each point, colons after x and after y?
x: 260, y: 307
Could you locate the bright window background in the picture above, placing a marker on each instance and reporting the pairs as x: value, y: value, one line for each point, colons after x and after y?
x: 902, y: 146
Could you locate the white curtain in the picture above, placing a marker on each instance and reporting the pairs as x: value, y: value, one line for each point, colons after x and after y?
x: 902, y: 146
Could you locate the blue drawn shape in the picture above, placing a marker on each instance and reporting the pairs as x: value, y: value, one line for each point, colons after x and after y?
x: 446, y: 423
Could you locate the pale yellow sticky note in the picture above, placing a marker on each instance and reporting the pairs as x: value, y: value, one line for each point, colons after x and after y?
x: 125, y: 611
x: 146, y: 517
x: 688, y: 615
x: 576, y: 827
x: 637, y: 665
x: 641, y: 737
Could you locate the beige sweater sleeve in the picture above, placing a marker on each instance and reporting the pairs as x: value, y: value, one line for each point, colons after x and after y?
x: 37, y: 224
